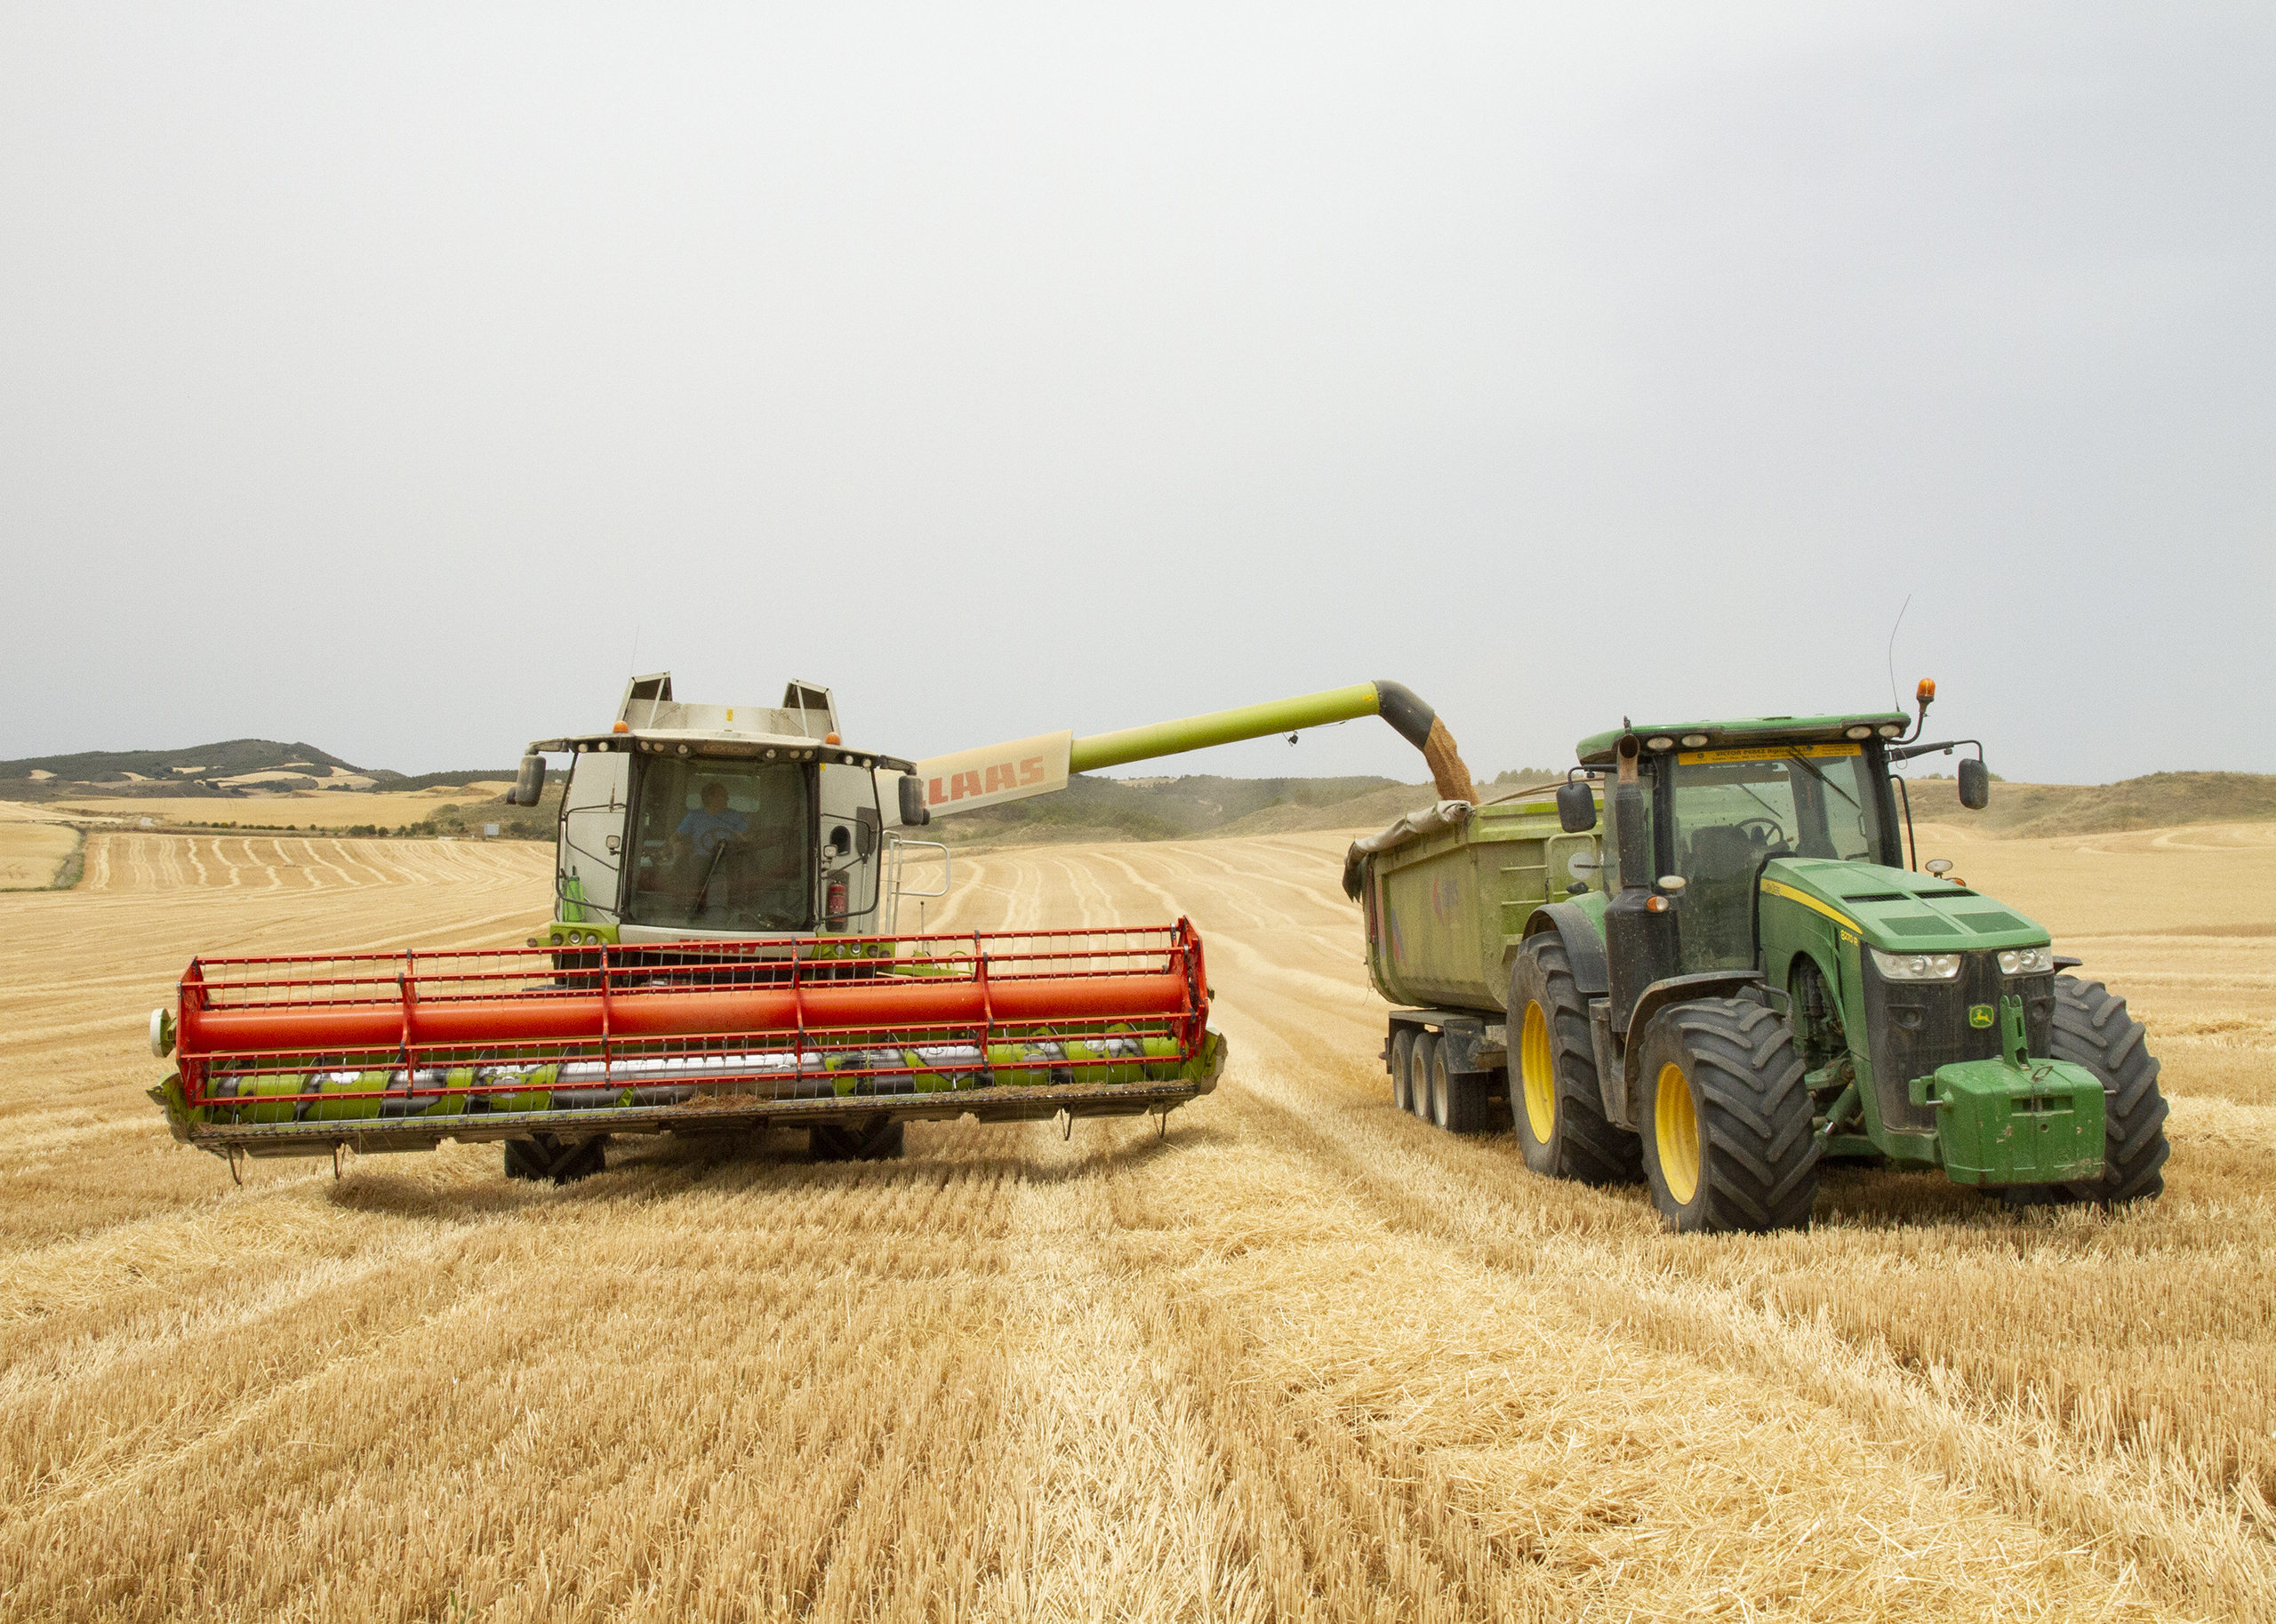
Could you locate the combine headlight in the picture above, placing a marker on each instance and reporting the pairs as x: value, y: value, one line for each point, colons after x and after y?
x: 1916, y: 966
x: 1659, y: 741
x: 1889, y: 729
x: 2027, y: 961
x: 1858, y: 733
x: 1692, y: 742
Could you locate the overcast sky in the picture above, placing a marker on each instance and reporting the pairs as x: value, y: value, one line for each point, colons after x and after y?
x: 398, y: 378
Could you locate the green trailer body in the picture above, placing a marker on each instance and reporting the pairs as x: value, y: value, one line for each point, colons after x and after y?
x: 1446, y: 895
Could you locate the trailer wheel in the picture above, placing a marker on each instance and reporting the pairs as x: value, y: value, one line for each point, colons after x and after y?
x: 1402, y: 1057
x: 1554, y: 1100
x: 878, y: 1140
x: 545, y: 1156
x: 1418, y: 1073
x: 2092, y: 1029
x: 1727, y: 1119
x: 1457, y: 1101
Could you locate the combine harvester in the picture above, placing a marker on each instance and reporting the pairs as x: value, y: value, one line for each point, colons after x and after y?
x: 1745, y: 976
x: 724, y: 956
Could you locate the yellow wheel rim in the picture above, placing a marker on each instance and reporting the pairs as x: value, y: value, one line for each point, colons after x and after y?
x: 1676, y: 1124
x: 1537, y: 1066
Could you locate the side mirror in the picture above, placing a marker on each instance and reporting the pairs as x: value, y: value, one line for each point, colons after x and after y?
x: 914, y: 813
x: 1576, y: 806
x: 1975, y: 783
x: 530, y: 783
x: 867, y: 827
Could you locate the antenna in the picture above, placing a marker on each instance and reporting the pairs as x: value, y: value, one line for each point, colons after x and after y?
x: 1893, y: 702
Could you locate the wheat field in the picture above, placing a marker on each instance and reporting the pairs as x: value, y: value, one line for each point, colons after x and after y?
x: 1304, y: 1357
x: 298, y: 809
x: 31, y: 854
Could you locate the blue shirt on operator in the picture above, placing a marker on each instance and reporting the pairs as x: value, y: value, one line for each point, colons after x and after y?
x: 705, y: 830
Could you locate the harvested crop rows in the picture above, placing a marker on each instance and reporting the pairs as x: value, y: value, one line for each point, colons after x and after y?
x: 1304, y: 1357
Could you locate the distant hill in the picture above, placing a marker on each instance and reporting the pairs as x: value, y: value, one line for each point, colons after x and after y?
x: 220, y: 770
x: 464, y: 775
x: 2160, y: 800
x: 225, y: 760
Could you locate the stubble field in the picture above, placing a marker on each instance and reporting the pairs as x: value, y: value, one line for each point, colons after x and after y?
x: 298, y: 809
x: 1304, y: 1357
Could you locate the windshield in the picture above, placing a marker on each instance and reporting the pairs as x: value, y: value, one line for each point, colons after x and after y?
x: 1735, y: 808
x: 722, y: 845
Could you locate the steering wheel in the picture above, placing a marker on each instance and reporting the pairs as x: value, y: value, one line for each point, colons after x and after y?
x: 1775, y: 831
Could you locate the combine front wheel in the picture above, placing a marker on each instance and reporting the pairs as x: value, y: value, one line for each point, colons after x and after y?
x: 1727, y: 1119
x: 1554, y: 1095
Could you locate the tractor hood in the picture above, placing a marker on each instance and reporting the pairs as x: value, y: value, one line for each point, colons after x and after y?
x: 1897, y: 911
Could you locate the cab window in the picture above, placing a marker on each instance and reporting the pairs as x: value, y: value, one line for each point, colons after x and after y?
x: 722, y: 845
x: 1735, y: 809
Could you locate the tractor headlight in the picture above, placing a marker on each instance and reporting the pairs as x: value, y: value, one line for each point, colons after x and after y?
x: 2027, y: 961
x: 1916, y: 966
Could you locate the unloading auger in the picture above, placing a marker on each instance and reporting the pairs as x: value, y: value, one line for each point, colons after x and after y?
x: 724, y: 956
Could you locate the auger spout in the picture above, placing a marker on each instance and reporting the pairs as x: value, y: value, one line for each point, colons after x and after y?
x: 996, y: 773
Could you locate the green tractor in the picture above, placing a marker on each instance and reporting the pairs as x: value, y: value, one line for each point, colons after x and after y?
x: 1743, y: 976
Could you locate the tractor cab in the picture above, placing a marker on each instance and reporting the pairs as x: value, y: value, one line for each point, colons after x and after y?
x: 1719, y: 803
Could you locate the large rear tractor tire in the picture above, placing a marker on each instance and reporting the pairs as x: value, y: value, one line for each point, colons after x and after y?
x: 878, y: 1140
x: 1419, y: 1060
x: 1727, y: 1120
x: 2092, y: 1029
x: 1554, y: 1099
x: 1402, y: 1061
x: 560, y: 1161
x: 1458, y: 1099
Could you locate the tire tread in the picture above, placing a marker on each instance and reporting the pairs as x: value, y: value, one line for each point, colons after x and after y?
x: 1756, y: 1114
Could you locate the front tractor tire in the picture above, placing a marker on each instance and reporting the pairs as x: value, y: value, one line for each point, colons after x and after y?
x: 1554, y: 1100
x: 1727, y: 1120
x: 2092, y: 1029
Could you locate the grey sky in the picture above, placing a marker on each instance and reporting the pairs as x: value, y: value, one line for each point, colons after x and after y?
x: 368, y: 377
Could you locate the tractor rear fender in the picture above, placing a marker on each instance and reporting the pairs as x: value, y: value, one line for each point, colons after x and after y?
x: 1659, y: 996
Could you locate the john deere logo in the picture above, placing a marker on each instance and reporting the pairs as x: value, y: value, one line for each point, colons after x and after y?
x: 1979, y: 1014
